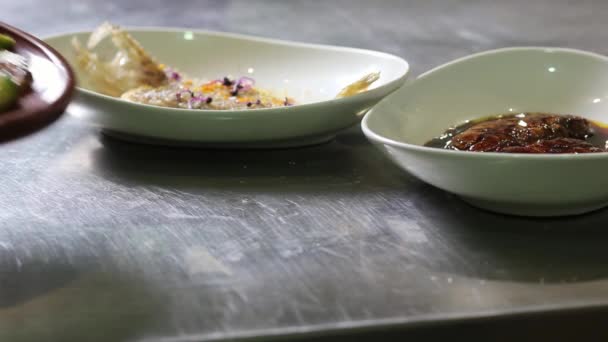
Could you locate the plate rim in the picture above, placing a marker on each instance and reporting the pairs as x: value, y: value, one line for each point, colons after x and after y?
x: 20, y: 122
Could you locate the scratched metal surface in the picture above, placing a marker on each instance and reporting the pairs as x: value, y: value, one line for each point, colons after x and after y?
x: 113, y: 241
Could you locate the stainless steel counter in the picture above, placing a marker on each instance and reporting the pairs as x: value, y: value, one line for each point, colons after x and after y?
x: 102, y: 240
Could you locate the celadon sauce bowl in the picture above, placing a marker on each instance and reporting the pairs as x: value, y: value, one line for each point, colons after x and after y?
x: 511, y: 80
x: 311, y: 74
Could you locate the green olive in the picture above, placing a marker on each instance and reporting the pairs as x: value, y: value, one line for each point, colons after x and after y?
x: 6, y: 42
x: 9, y: 92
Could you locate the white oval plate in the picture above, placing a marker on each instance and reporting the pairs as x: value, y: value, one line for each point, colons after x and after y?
x: 311, y: 74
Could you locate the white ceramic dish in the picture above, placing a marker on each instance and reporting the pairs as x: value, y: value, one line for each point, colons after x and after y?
x: 553, y: 80
x: 311, y: 74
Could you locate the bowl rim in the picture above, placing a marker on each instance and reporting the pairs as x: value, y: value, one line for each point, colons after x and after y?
x: 545, y: 49
x: 391, y: 86
x: 488, y: 155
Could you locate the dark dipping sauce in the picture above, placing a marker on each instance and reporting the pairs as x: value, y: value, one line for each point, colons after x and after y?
x: 526, y: 133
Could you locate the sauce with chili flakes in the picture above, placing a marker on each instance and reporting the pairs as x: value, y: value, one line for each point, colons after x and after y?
x: 526, y: 133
